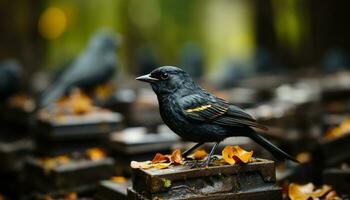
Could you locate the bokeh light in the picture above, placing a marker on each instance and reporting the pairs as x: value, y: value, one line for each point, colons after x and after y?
x: 52, y: 23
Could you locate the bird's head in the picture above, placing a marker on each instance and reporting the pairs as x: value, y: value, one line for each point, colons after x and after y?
x: 166, y: 80
x: 104, y: 42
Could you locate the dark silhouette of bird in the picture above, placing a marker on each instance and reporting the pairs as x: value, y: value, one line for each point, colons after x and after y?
x: 198, y: 116
x: 10, y: 75
x: 95, y: 65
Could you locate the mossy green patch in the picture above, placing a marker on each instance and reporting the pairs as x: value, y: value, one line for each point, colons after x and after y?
x: 166, y: 182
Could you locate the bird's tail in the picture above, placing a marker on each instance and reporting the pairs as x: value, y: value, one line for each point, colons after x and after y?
x: 277, y: 152
x: 52, y: 94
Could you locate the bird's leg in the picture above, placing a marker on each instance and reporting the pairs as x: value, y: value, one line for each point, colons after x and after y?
x: 188, y: 151
x: 207, y: 161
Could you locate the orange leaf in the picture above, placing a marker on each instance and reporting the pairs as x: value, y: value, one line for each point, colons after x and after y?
x: 95, y: 154
x: 199, y: 154
x: 71, y: 196
x: 80, y: 103
x: 300, y: 192
x: 176, y: 156
x: 343, y: 128
x: 232, y: 154
x: 332, y: 195
x: 322, y: 191
x: 160, y: 158
x: 118, y: 179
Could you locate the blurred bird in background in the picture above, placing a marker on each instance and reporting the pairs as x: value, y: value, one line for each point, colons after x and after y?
x: 198, y: 116
x: 192, y: 60
x: 146, y: 59
x: 94, y: 66
x: 10, y: 74
x: 232, y: 74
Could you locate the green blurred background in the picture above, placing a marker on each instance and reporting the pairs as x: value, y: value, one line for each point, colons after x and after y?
x: 298, y: 33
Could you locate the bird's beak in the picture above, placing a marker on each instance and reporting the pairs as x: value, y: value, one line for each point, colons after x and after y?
x: 147, y: 78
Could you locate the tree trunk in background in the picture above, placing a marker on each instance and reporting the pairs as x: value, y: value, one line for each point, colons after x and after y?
x: 19, y: 36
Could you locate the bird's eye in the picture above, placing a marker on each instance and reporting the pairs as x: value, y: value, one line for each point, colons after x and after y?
x: 164, y: 76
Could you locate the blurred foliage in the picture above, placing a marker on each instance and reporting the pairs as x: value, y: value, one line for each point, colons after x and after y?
x: 296, y: 33
x: 223, y: 28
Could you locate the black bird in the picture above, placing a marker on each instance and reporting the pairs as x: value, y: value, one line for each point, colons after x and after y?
x: 94, y: 66
x: 198, y: 116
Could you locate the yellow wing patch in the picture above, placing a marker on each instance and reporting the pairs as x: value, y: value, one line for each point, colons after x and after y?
x: 197, y: 109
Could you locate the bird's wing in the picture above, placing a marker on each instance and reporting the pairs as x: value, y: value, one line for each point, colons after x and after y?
x: 214, y: 110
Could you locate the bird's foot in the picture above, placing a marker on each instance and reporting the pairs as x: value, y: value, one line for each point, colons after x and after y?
x: 205, y: 164
x: 208, y: 161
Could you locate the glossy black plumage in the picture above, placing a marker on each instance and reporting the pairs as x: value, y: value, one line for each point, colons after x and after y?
x: 198, y: 116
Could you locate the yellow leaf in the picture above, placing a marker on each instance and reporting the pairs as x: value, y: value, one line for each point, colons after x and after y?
x: 161, y: 165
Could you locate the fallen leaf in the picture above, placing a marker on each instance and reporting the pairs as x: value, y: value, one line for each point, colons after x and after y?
x: 148, y: 165
x: 160, y: 158
x: 138, y: 165
x: 95, y: 154
x: 321, y: 192
x: 119, y: 179
x: 103, y: 91
x: 47, y: 197
x: 300, y: 192
x: 303, y: 157
x: 71, y: 196
x: 199, y: 155
x: 232, y: 154
x: 80, y: 102
x: 307, y: 191
x: 332, y: 195
x: 160, y: 165
x: 343, y: 128
x: 176, y: 156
